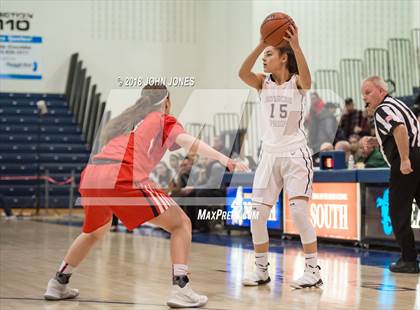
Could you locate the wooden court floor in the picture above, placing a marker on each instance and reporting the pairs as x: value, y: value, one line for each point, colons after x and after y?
x: 133, y: 272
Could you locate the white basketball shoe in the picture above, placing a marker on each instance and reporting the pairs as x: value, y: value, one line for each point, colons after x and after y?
x: 57, y: 291
x: 311, y: 278
x: 185, y: 297
x: 259, y: 277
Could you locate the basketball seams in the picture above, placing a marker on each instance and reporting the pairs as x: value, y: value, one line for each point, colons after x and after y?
x: 276, y: 29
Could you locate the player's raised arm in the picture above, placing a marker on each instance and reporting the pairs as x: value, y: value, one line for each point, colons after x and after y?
x: 192, y: 144
x: 252, y: 79
x: 304, y: 81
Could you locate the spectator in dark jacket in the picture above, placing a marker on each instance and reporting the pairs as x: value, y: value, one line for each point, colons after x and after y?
x: 353, y: 121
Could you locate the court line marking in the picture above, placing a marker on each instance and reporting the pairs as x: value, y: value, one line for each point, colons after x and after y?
x: 96, y: 301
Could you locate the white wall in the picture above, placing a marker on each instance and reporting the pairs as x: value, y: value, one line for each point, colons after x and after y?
x: 331, y: 30
x: 204, y: 39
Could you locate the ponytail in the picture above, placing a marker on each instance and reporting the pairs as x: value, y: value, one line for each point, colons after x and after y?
x: 152, y: 98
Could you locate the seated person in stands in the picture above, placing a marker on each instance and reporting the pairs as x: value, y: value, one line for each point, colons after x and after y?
x: 371, y: 157
x: 325, y: 147
x: 354, y: 146
x: 174, y: 160
x: 343, y: 146
x: 178, y: 185
x: 208, y: 185
x: 161, y: 175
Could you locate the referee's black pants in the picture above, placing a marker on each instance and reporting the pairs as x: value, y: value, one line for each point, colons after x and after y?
x: 402, y: 191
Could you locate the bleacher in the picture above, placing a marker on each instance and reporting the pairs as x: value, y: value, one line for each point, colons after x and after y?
x: 31, y: 144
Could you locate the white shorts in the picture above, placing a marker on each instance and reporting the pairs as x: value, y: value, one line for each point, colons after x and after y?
x: 292, y: 171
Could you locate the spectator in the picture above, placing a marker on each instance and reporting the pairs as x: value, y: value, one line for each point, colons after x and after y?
x: 371, y: 156
x: 161, y: 175
x: 311, y: 122
x: 316, y: 103
x: 353, y: 122
x: 174, y: 164
x: 326, y: 147
x: 219, y: 145
x: 178, y: 186
x: 345, y: 147
x: 211, y: 187
x: 354, y: 146
x: 324, y: 126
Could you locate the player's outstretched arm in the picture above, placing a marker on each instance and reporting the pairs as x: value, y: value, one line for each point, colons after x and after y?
x: 304, y: 80
x: 245, y: 74
x: 194, y: 145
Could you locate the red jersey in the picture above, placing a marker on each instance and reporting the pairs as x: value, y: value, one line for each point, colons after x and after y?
x: 143, y: 148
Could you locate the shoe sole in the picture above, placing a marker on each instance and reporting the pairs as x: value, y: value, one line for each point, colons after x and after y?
x: 50, y: 297
x: 317, y: 285
x: 174, y: 304
x: 404, y: 271
x: 259, y: 282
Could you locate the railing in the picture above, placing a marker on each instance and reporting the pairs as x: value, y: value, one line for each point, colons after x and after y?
x: 48, y: 181
x: 352, y: 73
x: 401, y: 65
x: 87, y: 110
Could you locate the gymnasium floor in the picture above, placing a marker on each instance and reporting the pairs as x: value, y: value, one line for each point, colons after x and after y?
x: 132, y: 271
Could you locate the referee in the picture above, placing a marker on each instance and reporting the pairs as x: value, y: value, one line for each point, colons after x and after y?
x: 398, y: 134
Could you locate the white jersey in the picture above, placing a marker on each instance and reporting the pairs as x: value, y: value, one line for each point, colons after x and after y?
x: 282, y: 116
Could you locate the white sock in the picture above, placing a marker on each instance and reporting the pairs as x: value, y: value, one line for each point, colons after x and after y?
x: 311, y: 259
x: 261, y: 260
x: 65, y: 268
x: 180, y: 269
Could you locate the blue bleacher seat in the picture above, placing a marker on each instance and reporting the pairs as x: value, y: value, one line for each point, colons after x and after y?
x: 30, y: 111
x: 61, y: 148
x: 43, y: 138
x: 34, y: 120
x: 16, y: 129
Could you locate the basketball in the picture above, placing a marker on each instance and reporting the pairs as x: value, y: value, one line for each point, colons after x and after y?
x: 274, y: 27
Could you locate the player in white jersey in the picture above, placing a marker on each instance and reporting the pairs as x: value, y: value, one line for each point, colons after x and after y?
x: 286, y: 160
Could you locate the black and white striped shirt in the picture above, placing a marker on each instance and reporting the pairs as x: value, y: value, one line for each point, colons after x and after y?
x: 388, y: 115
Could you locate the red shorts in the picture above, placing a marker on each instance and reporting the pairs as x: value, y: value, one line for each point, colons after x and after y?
x: 133, y: 205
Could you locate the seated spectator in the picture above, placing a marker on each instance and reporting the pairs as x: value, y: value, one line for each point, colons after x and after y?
x: 371, y: 156
x: 174, y: 164
x: 345, y: 147
x: 354, y: 146
x: 178, y: 185
x: 325, y: 147
x: 353, y: 121
x: 161, y: 175
x: 212, y: 187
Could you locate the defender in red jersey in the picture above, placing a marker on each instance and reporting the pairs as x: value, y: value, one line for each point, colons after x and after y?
x: 116, y: 181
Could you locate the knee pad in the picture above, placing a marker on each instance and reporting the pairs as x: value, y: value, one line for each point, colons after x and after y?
x: 299, y: 209
x: 259, y: 226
